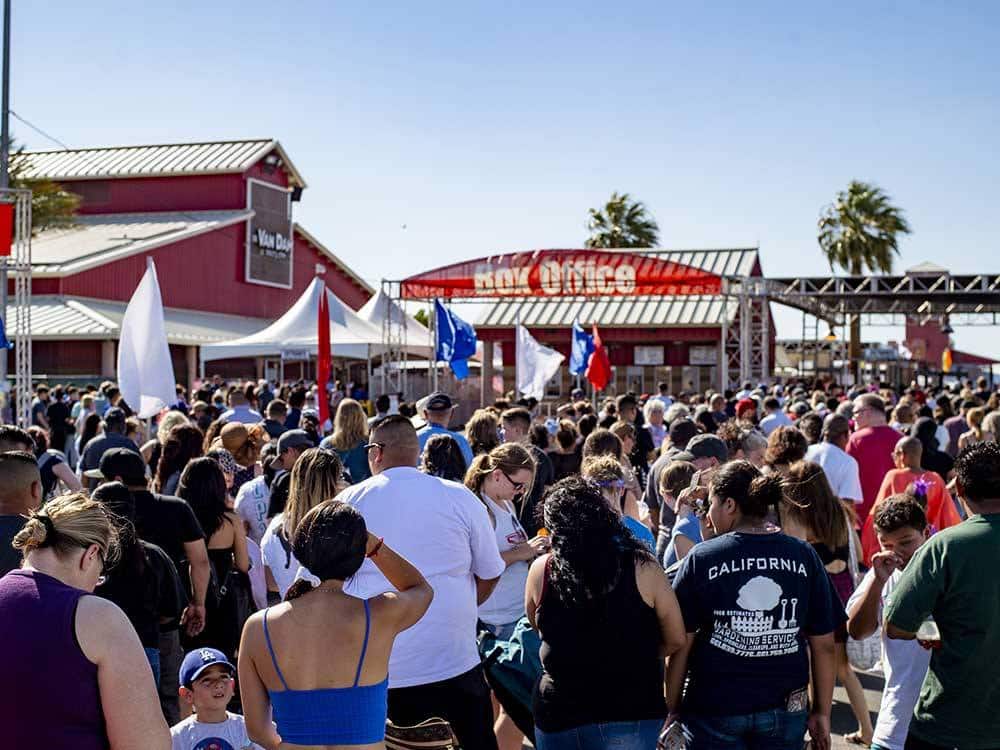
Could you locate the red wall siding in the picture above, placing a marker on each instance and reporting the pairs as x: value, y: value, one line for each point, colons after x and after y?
x: 620, y: 342
x: 207, y: 272
x: 64, y: 358
x: 197, y: 193
x: 213, y: 192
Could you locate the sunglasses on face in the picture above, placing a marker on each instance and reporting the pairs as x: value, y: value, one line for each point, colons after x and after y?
x: 518, y: 486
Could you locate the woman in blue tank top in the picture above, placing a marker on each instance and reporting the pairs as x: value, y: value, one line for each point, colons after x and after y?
x: 319, y: 661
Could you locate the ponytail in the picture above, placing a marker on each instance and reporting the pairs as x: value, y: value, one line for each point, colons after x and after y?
x: 753, y: 493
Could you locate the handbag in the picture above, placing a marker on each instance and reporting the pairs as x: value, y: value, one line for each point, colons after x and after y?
x: 432, y: 734
x: 866, y: 653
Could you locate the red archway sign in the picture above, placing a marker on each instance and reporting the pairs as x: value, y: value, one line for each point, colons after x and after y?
x: 562, y: 273
x: 6, y: 228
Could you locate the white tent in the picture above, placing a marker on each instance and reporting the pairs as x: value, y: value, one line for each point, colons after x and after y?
x: 295, y: 332
x: 377, y: 309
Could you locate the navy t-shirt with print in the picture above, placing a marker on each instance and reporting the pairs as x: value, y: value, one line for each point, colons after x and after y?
x: 752, y: 600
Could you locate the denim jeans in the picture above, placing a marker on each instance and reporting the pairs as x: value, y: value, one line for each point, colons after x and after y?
x: 619, y: 735
x: 776, y: 729
x: 153, y: 655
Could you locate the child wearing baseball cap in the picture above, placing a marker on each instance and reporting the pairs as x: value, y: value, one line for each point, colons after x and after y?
x: 207, y: 684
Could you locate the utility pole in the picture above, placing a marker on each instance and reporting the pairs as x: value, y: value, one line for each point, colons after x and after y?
x: 4, y: 171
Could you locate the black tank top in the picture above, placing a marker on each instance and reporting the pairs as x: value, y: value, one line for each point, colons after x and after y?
x: 600, y: 664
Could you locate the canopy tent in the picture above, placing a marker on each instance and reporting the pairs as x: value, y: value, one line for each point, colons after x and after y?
x: 351, y: 336
x: 382, y: 306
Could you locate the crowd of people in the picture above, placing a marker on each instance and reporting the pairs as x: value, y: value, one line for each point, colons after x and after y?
x: 693, y: 570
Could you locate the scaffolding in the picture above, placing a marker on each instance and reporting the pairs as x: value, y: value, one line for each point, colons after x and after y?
x: 19, y: 264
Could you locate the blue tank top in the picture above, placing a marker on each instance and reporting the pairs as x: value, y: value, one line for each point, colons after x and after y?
x: 330, y: 716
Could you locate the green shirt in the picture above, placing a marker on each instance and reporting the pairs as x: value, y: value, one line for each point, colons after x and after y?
x: 954, y: 577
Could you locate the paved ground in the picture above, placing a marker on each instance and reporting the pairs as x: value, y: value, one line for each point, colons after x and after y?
x: 843, y: 721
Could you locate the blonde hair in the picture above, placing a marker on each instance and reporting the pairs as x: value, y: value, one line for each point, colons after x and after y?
x: 68, y: 523
x: 975, y: 420
x: 350, y: 425
x: 170, y: 420
x: 316, y: 476
x: 603, y: 470
x: 991, y: 424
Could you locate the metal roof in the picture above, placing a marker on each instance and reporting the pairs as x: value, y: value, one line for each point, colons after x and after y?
x: 157, y: 160
x: 54, y: 317
x: 640, y: 312
x: 98, y: 239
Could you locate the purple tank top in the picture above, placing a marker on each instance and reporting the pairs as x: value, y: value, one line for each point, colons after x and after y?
x: 50, y: 696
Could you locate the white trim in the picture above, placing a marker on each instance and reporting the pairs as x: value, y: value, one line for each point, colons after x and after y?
x: 251, y: 181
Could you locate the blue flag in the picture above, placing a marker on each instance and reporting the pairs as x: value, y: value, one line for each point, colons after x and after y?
x: 4, y: 343
x: 456, y: 340
x: 583, y: 347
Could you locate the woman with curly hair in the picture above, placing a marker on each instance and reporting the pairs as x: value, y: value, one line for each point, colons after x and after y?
x: 759, y: 613
x: 183, y: 445
x: 599, y: 585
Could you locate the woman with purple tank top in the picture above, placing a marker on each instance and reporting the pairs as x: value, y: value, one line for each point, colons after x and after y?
x: 77, y: 650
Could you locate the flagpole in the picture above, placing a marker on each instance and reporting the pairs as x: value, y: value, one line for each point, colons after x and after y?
x: 517, y: 353
x: 433, y: 371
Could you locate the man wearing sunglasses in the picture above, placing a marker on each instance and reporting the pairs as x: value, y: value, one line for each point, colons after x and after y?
x: 437, y: 411
x: 445, y: 532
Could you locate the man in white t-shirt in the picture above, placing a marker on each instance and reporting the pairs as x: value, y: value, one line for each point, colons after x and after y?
x: 774, y: 417
x: 901, y: 527
x: 840, y: 468
x: 445, y: 532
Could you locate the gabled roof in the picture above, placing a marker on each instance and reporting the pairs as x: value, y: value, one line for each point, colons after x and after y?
x: 97, y: 239
x: 636, y: 312
x: 55, y: 318
x: 157, y: 160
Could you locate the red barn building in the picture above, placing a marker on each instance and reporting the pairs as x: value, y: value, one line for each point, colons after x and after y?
x: 217, y: 220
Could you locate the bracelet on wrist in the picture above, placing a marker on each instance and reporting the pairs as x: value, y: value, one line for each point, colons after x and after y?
x: 377, y: 548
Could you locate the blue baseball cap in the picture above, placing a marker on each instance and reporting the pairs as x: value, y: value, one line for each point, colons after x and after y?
x: 197, y: 661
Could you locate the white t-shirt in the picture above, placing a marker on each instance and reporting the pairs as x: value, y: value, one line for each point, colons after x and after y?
x: 230, y: 734
x: 773, y: 421
x: 506, y: 603
x: 258, y: 581
x: 252, y: 500
x: 284, y: 567
x: 444, y: 530
x: 841, y: 470
x: 905, y: 664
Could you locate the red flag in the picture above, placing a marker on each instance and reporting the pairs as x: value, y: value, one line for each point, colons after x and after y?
x: 599, y: 366
x: 323, y: 357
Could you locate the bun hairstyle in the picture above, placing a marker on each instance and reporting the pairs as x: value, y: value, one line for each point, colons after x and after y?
x: 330, y: 542
x: 754, y: 493
x: 68, y: 524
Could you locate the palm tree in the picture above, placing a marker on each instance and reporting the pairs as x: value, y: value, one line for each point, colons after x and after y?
x: 859, y: 231
x: 622, y: 223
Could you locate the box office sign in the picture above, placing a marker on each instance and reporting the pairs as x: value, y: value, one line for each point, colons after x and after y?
x: 269, y: 235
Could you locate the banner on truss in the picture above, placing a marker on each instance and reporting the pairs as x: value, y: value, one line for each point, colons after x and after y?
x: 562, y: 273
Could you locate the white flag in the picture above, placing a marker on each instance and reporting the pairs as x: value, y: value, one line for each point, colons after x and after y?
x: 536, y: 364
x: 145, y: 371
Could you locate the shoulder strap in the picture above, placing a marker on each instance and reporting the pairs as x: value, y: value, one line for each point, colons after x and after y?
x: 270, y: 650
x: 364, y: 645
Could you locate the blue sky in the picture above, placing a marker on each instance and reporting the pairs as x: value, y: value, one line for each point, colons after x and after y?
x: 492, y: 127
